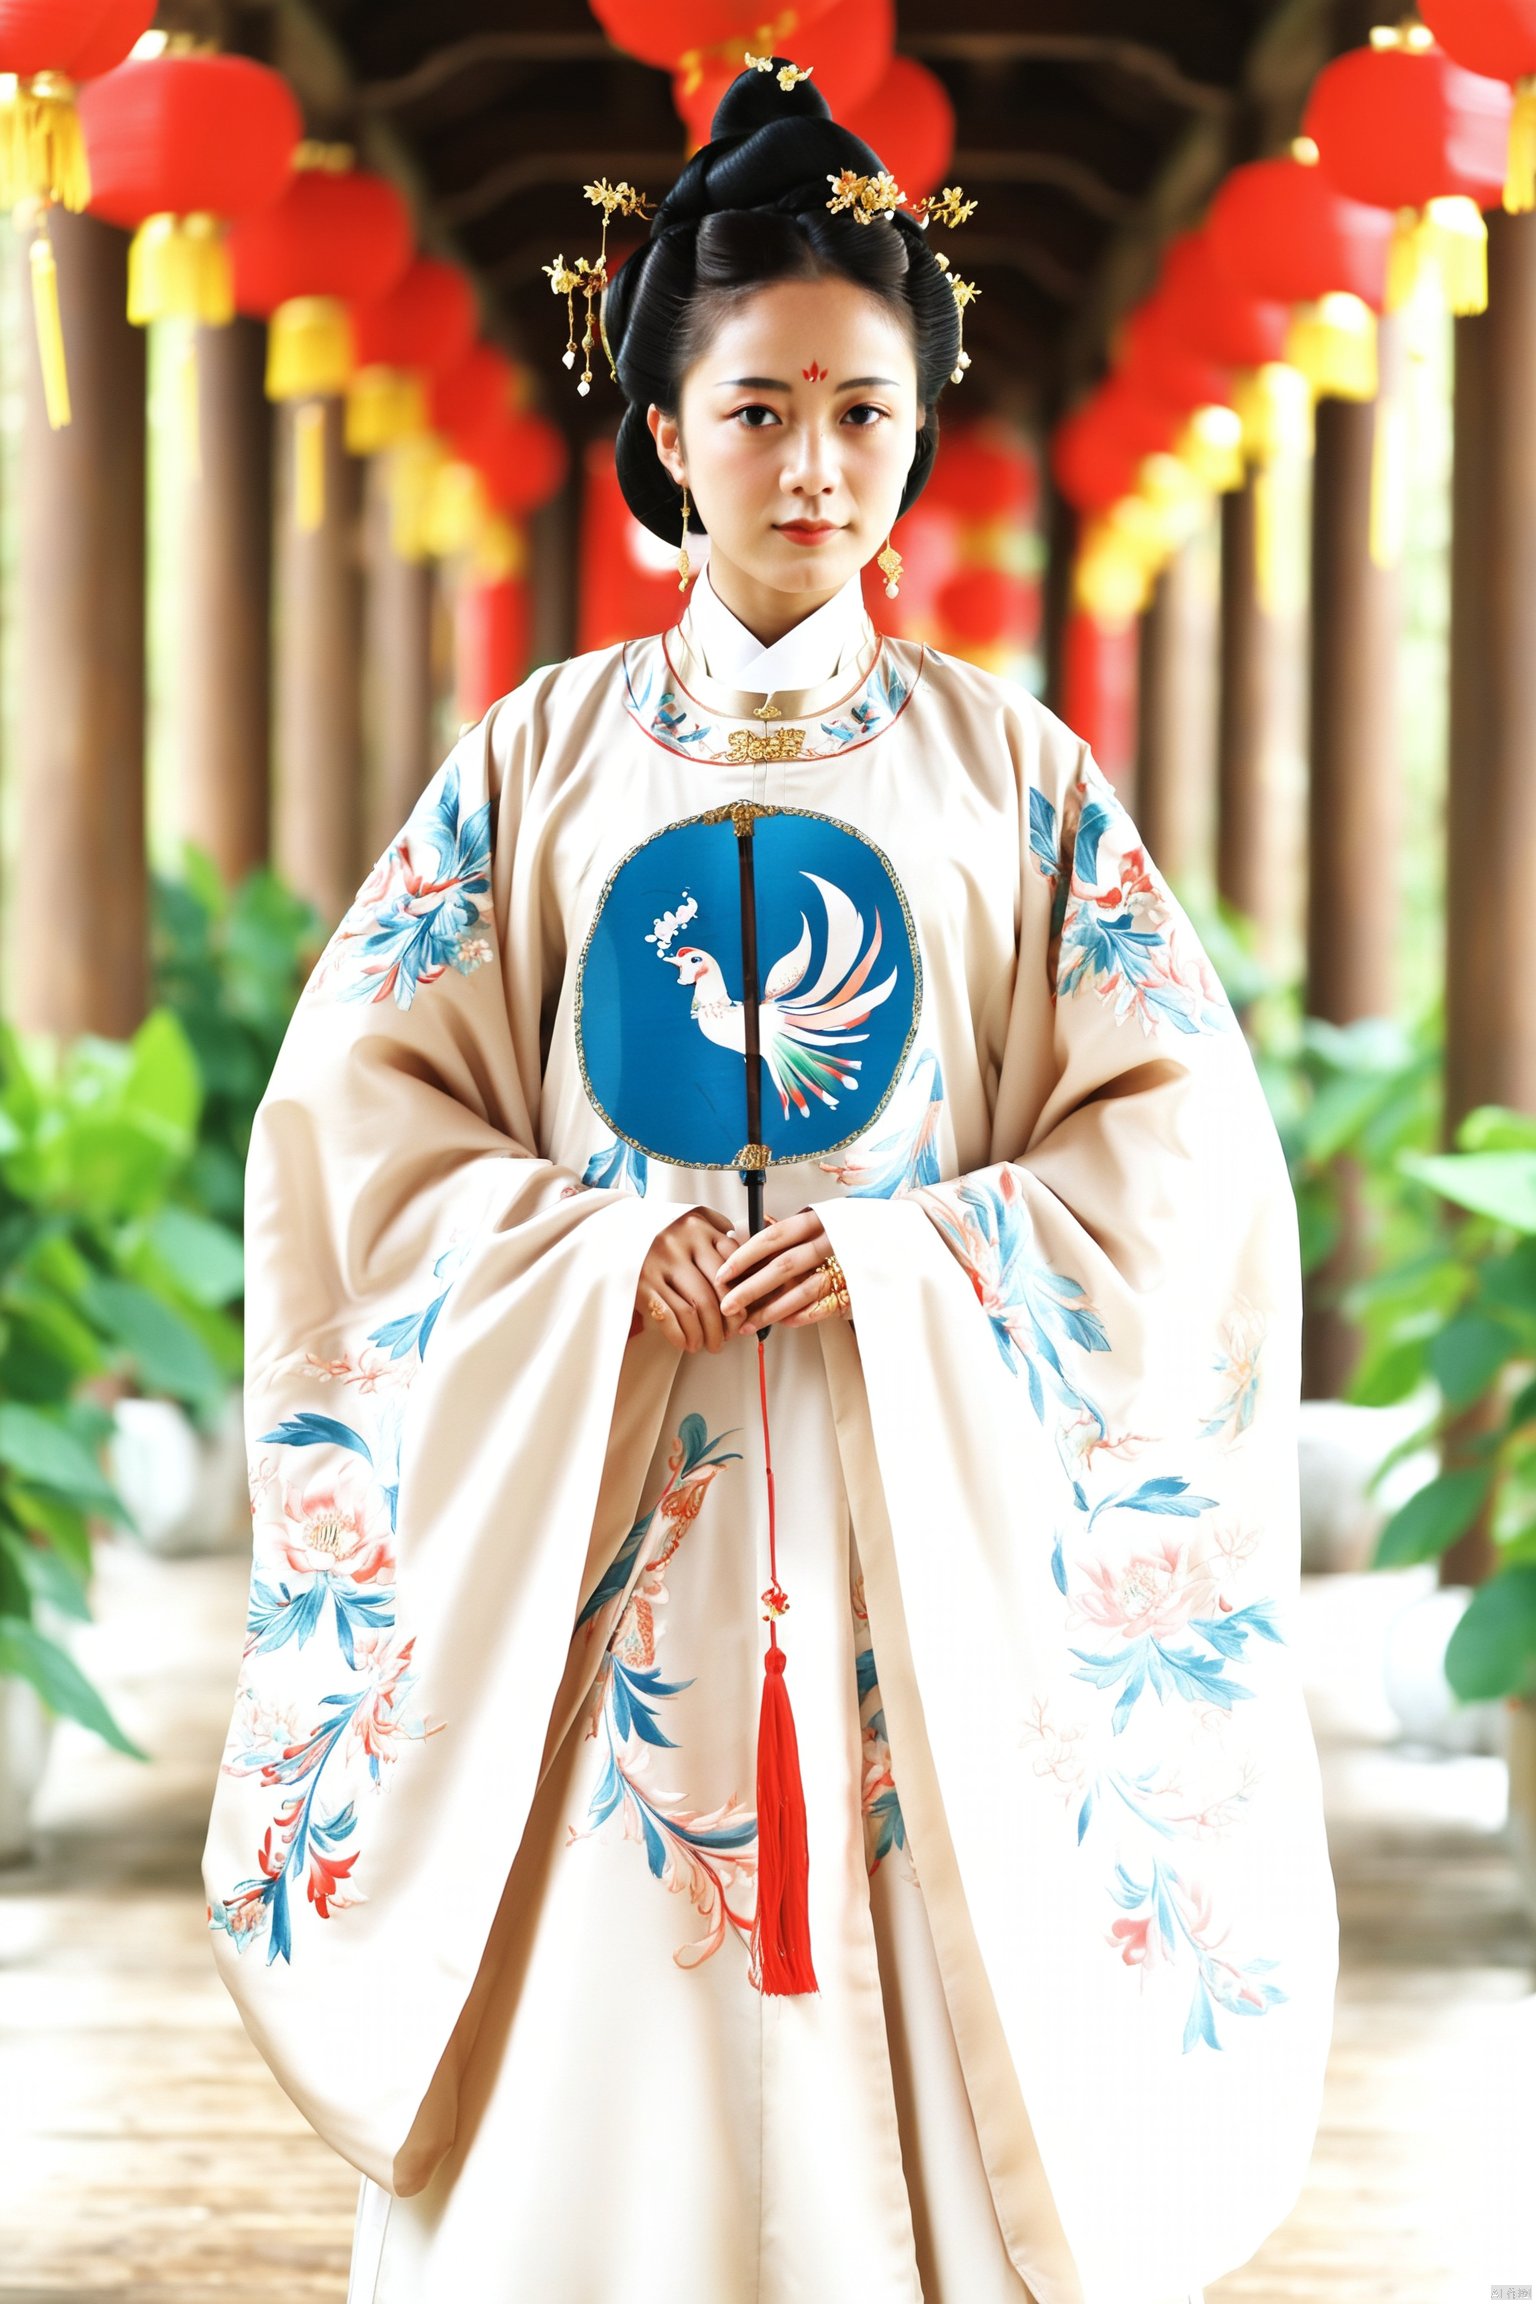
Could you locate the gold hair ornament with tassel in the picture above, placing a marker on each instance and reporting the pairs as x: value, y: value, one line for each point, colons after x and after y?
x: 589, y: 275
x: 866, y: 197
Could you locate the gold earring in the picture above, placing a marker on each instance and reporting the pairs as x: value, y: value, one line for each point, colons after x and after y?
x: 889, y: 565
x: 684, y: 571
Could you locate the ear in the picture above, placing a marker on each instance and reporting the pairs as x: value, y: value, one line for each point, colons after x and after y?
x: 668, y: 439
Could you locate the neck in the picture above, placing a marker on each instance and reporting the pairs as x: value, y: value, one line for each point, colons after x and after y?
x: 767, y: 614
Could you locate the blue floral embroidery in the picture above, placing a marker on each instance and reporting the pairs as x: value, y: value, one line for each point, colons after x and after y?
x: 1122, y: 933
x: 619, y: 1166
x: 710, y: 1857
x: 420, y: 910
x: 334, y: 1543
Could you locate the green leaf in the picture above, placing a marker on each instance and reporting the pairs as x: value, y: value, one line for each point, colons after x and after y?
x: 167, y: 1355
x: 1432, y: 1518
x: 47, y: 1576
x: 1492, y: 1651
x: 1468, y: 1354
x: 27, y: 1654
x: 206, y: 1260
x: 41, y: 1448
x: 64, y: 1525
x: 1387, y: 1373
x: 1497, y: 1184
x: 1496, y: 1128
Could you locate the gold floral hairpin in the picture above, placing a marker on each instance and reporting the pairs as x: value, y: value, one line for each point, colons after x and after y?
x: 948, y: 207
x: 964, y: 292
x: 589, y: 274
x: 786, y: 74
x: 866, y: 197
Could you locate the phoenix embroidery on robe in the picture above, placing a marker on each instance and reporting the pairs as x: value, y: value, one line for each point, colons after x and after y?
x: 802, y: 1038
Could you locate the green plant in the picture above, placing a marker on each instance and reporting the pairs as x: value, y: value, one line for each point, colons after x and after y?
x: 106, y: 1277
x: 1464, y: 1314
x: 229, y: 964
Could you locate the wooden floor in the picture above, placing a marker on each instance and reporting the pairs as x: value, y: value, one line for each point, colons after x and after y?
x: 146, y: 2153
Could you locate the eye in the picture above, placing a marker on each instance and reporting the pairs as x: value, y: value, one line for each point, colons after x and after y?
x: 866, y: 408
x: 753, y: 409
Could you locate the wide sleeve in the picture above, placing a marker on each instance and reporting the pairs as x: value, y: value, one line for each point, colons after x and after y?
x: 445, y: 1440
x: 1069, y: 1428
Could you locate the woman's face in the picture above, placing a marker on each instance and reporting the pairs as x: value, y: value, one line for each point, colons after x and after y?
x: 795, y: 429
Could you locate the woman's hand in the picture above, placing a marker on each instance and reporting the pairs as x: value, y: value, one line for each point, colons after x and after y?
x: 772, y: 1275
x: 678, y: 1293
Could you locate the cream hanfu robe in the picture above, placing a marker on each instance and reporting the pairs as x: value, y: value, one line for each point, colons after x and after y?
x: 480, y: 1867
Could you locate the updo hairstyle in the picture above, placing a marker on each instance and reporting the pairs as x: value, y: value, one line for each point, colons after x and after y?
x: 750, y: 207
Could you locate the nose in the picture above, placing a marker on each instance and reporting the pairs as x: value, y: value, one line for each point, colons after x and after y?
x: 810, y: 466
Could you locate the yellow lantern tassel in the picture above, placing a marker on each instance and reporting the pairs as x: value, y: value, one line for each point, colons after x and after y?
x: 501, y: 552
x: 1458, y: 239
x: 50, y: 329
x: 1267, y: 580
x: 42, y: 150
x: 458, y: 512
x: 1275, y: 406
x: 1520, y: 167
x: 1405, y: 258
x: 1333, y: 344
x: 309, y: 349
x: 179, y: 269
x: 1211, y: 444
x: 309, y: 466
x: 384, y: 405
x: 413, y: 468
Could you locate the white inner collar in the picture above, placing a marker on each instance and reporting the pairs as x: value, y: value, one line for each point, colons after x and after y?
x: 804, y: 657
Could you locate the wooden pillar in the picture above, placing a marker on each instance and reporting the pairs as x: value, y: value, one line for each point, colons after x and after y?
x: 1246, y: 709
x: 221, y: 685
x: 1353, y: 806
x: 78, y: 905
x: 1176, y: 715
x: 398, y: 673
x: 319, y: 845
x: 1490, y: 951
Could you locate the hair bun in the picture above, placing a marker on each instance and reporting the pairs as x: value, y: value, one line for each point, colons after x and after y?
x: 754, y: 99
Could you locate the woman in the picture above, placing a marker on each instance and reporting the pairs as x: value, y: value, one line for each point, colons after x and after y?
x: 484, y: 1856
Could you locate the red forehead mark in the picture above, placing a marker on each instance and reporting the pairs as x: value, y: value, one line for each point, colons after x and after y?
x: 815, y: 374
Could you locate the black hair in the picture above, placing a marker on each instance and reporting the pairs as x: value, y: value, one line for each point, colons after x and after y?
x: 751, y: 207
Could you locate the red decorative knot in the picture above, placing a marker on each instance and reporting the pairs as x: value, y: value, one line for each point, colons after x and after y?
x: 815, y: 374
x: 773, y: 1660
x: 777, y: 1600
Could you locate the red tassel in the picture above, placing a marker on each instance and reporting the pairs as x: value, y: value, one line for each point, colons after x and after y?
x: 781, y: 1928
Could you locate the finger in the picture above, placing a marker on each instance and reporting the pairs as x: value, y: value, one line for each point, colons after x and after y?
x: 778, y: 1233
x: 684, y: 1311
x: 656, y: 1314
x: 791, y: 1264
x: 808, y: 1300
x: 696, y: 1290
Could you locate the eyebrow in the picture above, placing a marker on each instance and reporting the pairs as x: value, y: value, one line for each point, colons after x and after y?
x: 777, y: 384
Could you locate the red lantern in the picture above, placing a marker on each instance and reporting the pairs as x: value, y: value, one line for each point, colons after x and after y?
x: 987, y: 608
x: 1156, y: 361
x: 1399, y: 126
x: 1498, y: 38
x: 1093, y: 465
x: 336, y: 235
x: 176, y: 144
x: 491, y: 642
x: 423, y: 326
x: 48, y: 45
x: 983, y: 471
x: 848, y: 51
x: 1282, y: 229
x: 674, y: 33
x: 54, y: 35
x: 1214, y: 318
x: 477, y: 394
x: 522, y: 462
x: 1099, y: 682
x: 909, y: 120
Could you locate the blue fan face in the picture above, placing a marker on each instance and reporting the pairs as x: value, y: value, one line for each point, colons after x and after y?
x: 660, y: 1024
